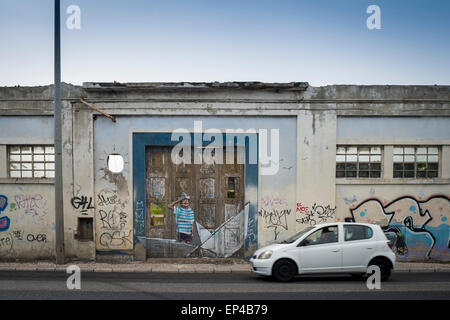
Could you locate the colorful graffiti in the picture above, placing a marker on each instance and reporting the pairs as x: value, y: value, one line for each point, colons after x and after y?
x: 4, y: 221
x: 25, y: 211
x: 421, y: 227
x: 3, y: 203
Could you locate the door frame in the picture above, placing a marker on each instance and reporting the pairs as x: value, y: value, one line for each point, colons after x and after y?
x: 139, y: 140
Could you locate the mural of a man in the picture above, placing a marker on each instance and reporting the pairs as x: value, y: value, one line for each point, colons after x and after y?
x: 184, y: 217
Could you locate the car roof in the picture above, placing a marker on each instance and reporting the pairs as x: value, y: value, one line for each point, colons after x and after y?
x: 345, y: 223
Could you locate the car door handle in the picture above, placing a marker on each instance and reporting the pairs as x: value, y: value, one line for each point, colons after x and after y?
x: 370, y: 248
x: 337, y: 250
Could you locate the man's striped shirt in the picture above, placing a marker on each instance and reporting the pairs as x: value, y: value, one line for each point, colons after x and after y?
x: 185, y: 218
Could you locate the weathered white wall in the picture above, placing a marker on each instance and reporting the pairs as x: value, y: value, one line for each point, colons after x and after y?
x: 316, y: 152
x: 389, y: 129
x: 30, y: 210
x: 305, y: 189
x: 28, y: 204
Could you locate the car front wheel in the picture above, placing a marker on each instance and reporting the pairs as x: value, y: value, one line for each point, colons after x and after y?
x: 284, y: 270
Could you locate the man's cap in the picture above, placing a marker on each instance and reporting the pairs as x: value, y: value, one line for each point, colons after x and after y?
x: 184, y: 196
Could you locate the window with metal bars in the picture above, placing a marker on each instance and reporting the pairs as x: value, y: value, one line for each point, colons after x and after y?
x: 36, y: 161
x: 358, y: 162
x: 416, y: 162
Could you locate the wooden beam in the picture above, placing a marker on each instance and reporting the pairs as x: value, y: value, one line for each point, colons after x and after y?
x: 98, y: 110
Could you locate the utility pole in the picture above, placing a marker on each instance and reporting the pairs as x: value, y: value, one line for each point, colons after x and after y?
x: 59, y: 214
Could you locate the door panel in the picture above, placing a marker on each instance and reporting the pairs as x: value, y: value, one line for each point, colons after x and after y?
x: 356, y: 254
x: 358, y: 247
x: 216, y: 192
x: 321, y: 258
x: 159, y: 222
x: 323, y: 251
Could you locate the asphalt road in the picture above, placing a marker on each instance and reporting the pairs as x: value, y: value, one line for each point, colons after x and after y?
x: 210, y: 286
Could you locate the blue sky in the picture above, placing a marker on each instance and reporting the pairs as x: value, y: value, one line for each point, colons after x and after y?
x: 319, y: 41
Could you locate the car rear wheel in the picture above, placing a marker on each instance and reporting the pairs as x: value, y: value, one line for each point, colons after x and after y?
x: 284, y: 270
x: 385, y: 269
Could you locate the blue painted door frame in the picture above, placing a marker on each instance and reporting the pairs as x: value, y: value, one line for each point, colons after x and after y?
x: 143, y: 139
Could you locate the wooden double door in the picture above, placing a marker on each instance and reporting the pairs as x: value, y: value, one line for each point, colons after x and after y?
x: 216, y: 191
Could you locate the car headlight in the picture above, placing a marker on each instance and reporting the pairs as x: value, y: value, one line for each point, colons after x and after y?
x: 265, y: 255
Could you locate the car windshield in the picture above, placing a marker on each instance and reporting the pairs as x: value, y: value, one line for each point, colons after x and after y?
x: 297, y: 235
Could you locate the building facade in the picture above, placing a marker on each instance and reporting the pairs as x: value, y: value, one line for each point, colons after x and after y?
x: 260, y: 161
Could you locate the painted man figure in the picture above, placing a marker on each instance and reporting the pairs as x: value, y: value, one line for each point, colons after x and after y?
x: 184, y: 218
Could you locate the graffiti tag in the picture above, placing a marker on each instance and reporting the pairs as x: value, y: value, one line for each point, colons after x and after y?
x: 84, y: 203
x: 275, y: 219
x: 115, y: 239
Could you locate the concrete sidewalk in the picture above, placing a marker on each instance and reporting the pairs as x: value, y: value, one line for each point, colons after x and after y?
x: 178, y: 267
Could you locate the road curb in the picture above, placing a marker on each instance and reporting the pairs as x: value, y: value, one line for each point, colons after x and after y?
x: 176, y: 268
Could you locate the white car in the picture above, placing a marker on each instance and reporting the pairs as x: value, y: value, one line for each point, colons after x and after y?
x: 338, y: 247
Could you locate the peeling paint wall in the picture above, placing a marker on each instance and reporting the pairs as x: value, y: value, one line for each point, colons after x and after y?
x: 316, y: 150
x: 27, y: 222
x: 27, y: 219
x: 113, y: 217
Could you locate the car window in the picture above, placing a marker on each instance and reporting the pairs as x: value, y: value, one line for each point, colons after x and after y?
x: 322, y: 236
x: 352, y: 233
x: 298, y: 235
